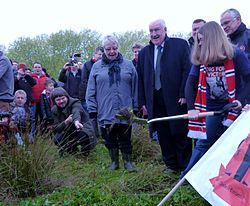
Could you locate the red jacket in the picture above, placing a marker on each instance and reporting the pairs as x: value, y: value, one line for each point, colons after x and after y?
x: 39, y: 87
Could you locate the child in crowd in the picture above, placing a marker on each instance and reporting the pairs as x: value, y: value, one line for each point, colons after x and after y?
x: 46, y: 104
x: 19, y: 114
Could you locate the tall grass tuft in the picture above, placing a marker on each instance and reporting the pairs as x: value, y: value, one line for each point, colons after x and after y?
x: 26, y: 171
x: 144, y: 149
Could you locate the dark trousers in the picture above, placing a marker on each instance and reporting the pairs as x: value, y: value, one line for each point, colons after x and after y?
x: 176, y: 148
x: 35, y: 119
x: 118, y: 136
x: 69, y: 142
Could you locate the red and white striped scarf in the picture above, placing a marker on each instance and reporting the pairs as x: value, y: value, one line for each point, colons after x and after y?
x: 197, y: 128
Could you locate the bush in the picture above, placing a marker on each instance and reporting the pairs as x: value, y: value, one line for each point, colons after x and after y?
x: 25, y: 171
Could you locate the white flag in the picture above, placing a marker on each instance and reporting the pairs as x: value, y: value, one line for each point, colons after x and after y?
x: 222, y: 175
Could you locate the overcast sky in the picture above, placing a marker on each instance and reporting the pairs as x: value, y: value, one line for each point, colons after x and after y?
x: 29, y: 18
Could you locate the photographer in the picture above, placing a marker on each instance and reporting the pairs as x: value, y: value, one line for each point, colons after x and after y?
x: 24, y: 82
x: 72, y: 126
x: 70, y: 75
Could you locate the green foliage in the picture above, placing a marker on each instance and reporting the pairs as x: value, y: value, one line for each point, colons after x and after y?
x: 25, y: 171
x: 54, y: 50
x: 87, y: 181
x: 128, y: 39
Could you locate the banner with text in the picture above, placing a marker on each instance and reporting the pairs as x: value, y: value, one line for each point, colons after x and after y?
x: 222, y: 175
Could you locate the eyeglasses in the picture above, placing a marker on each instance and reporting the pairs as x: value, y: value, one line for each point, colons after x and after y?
x: 156, y: 30
x: 227, y: 23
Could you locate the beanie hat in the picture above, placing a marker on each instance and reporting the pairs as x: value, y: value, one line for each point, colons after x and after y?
x: 22, y: 66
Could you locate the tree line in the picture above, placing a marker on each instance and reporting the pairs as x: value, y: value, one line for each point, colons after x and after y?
x: 54, y: 50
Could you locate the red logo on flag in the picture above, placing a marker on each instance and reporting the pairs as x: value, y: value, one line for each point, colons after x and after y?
x: 233, y: 182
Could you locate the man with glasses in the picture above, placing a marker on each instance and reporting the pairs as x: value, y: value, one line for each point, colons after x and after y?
x: 236, y: 30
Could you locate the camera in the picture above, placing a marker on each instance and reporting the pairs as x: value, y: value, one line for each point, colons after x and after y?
x: 73, y: 59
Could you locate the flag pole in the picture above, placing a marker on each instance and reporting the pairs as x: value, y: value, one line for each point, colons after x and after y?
x: 179, y: 183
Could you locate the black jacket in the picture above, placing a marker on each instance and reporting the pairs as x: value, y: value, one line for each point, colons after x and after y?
x: 85, y: 76
x: 241, y: 38
x: 191, y: 42
x: 25, y: 83
x: 175, y: 67
x: 73, y: 107
x: 45, y: 107
x: 72, y: 84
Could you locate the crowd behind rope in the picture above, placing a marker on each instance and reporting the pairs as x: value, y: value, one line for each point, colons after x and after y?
x: 169, y: 76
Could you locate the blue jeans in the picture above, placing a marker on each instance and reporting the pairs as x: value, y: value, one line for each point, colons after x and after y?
x: 33, y: 122
x: 84, y: 105
x: 215, y: 129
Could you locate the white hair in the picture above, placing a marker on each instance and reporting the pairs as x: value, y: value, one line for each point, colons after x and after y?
x: 159, y: 21
x: 110, y: 38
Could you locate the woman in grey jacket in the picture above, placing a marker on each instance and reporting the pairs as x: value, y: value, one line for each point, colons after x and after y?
x: 112, y: 86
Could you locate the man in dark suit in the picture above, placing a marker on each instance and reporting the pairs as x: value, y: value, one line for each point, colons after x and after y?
x: 163, y: 67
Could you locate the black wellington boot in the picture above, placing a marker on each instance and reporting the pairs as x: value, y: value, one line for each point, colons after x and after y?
x: 127, y: 162
x: 114, y: 155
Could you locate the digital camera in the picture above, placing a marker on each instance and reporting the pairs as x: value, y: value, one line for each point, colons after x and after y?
x: 73, y: 59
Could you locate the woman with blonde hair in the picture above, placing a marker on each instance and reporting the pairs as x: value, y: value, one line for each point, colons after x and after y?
x: 220, y: 75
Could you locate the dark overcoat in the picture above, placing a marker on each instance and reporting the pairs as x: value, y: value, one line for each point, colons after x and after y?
x: 175, y: 67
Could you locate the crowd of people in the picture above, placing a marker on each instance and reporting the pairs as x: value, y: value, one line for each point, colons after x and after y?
x: 167, y: 77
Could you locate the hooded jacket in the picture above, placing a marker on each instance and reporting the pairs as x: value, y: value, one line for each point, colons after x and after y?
x: 73, y: 107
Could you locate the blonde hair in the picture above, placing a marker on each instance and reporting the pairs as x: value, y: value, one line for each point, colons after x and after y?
x: 214, y: 48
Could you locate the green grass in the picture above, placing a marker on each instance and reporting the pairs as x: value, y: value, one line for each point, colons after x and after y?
x: 87, y: 181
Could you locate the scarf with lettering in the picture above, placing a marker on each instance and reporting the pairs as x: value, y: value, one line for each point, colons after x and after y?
x: 197, y: 128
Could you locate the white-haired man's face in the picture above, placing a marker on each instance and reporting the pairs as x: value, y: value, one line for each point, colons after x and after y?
x: 157, y: 32
x: 229, y: 23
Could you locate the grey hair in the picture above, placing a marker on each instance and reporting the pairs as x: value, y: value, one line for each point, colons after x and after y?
x: 109, y: 38
x: 22, y: 92
x: 233, y: 12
